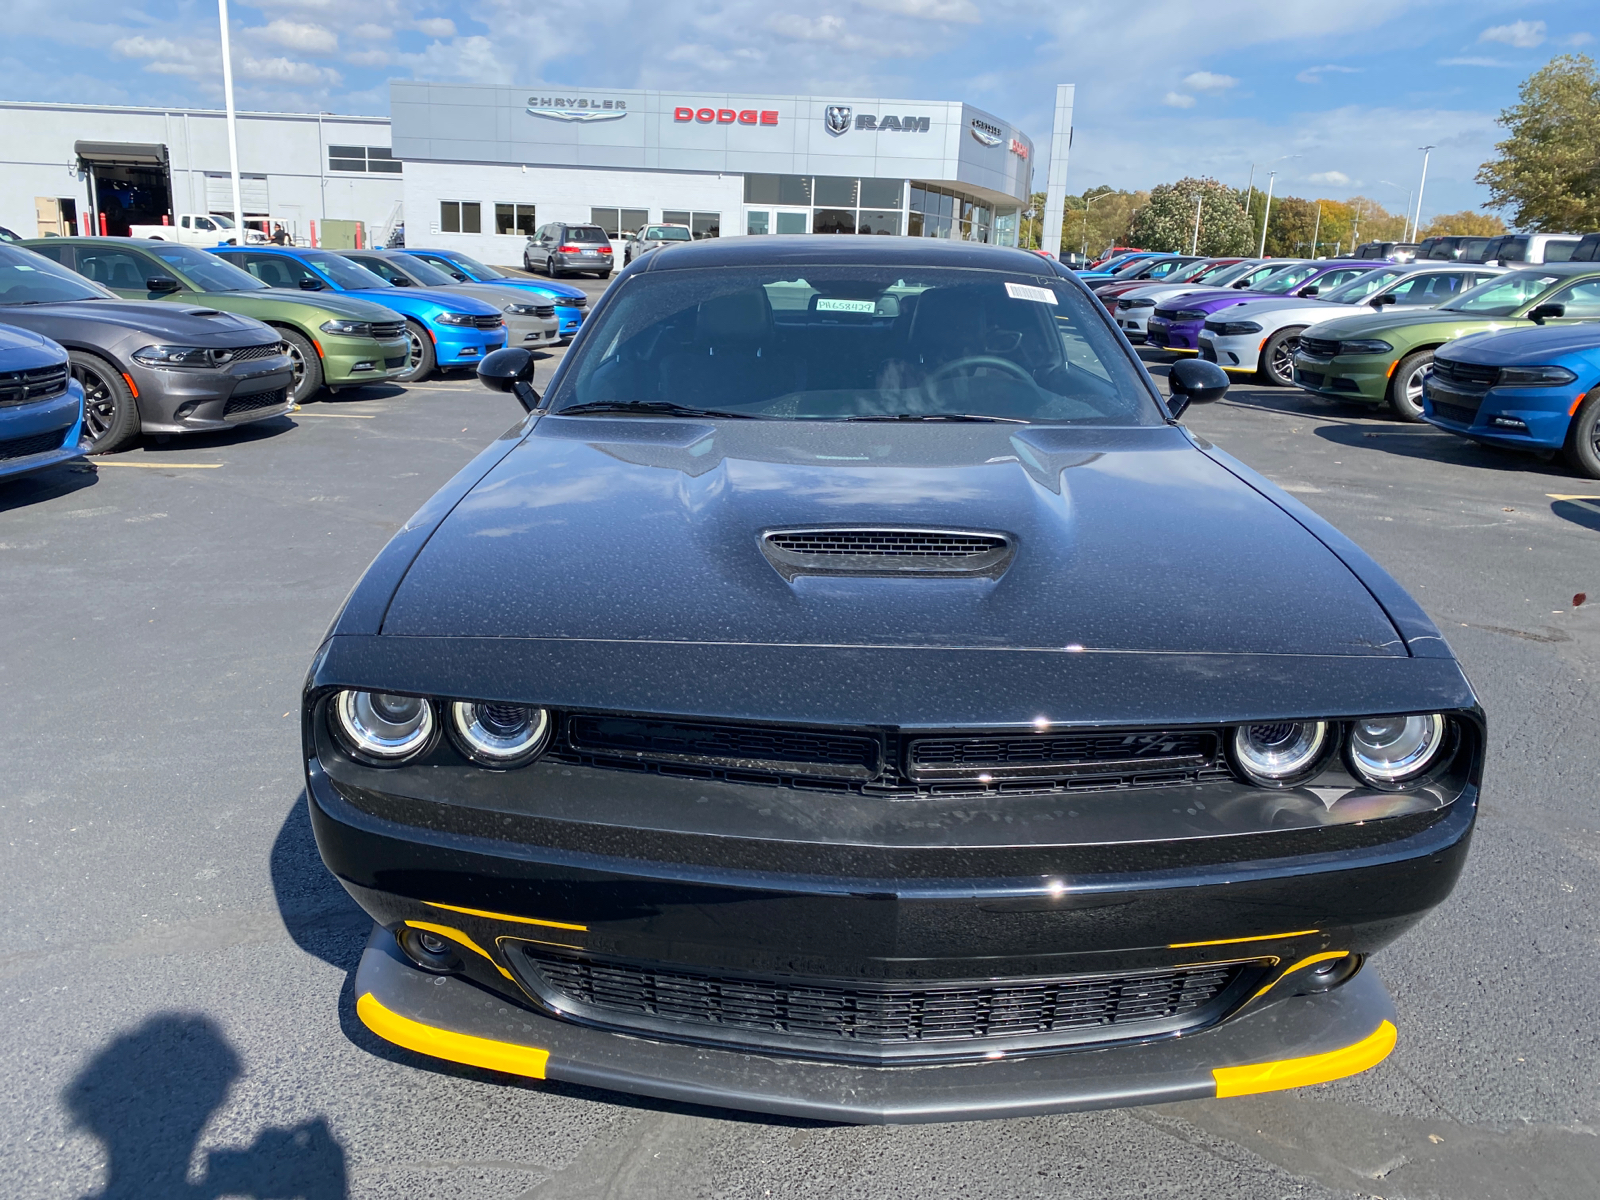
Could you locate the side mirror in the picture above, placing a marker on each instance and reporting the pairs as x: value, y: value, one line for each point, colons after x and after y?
x: 1545, y: 311
x: 310, y: 285
x: 161, y: 285
x: 1386, y: 298
x: 1308, y: 292
x: 401, y: 281
x: 1195, y: 381
x: 510, y: 370
x: 460, y: 278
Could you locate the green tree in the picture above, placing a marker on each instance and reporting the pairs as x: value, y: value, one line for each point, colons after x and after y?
x: 1371, y: 222
x: 1463, y: 224
x: 1167, y: 220
x: 1099, y: 218
x: 1547, y: 173
x: 1030, y: 230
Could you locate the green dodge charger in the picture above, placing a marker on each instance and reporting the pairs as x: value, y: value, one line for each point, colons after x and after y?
x: 334, y: 341
x: 1381, y: 357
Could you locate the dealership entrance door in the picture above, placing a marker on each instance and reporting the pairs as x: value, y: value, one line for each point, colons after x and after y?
x: 777, y: 220
x: 129, y: 184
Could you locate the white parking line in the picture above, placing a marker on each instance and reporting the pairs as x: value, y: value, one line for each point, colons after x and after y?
x: 341, y: 416
x: 159, y: 466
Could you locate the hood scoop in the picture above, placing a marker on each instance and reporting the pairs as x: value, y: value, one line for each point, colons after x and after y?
x: 888, y: 550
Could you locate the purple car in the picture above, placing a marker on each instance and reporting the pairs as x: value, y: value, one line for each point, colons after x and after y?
x: 1175, y: 324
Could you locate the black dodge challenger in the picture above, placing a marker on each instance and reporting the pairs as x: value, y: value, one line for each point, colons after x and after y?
x: 849, y: 693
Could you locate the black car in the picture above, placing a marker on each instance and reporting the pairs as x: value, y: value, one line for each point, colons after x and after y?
x: 850, y: 693
x: 560, y: 249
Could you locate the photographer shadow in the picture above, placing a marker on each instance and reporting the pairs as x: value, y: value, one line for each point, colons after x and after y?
x: 148, y: 1095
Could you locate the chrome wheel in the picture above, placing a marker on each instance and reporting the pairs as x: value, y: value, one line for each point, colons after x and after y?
x: 99, y: 401
x: 298, y: 362
x: 1281, y: 364
x: 1413, y: 387
x: 414, y: 350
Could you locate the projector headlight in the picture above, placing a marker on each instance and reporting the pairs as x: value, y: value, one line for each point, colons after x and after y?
x: 380, y: 727
x: 499, y: 735
x: 1280, y: 753
x: 1386, y: 751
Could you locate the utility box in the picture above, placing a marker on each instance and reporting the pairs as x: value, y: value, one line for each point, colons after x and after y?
x: 342, y: 235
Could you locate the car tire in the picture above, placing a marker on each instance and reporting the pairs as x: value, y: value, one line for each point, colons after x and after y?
x: 1405, y: 387
x: 420, y: 359
x: 1582, y: 449
x: 1276, y: 368
x: 603, y: 275
x: 110, y: 414
x: 308, y: 378
x: 550, y: 269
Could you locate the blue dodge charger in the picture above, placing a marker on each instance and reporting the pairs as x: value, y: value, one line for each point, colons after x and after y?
x: 444, y: 330
x: 41, y: 405
x: 571, y: 303
x: 1522, y: 389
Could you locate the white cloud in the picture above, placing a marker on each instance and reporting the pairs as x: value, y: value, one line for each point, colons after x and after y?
x: 1333, y: 178
x: 285, y: 71
x: 826, y: 28
x: 964, y: 12
x: 1315, y: 74
x: 1524, y: 35
x: 1205, y: 81
x: 1474, y: 62
x: 473, y: 59
x: 303, y: 36
x: 367, y: 58
x: 437, y: 27
x: 1177, y: 100
x: 372, y: 33
x: 1578, y: 39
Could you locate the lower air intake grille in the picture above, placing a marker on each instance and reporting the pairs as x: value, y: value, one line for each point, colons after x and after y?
x: 886, y: 551
x: 36, y: 383
x: 1318, y: 348
x: 1459, y: 414
x: 39, y: 443
x: 241, y: 407
x: 735, y: 747
x: 820, y: 1014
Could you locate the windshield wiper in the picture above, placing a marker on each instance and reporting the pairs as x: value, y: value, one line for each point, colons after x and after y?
x: 941, y: 417
x: 658, y: 407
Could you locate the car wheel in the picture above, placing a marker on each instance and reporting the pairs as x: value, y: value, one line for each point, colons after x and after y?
x: 550, y: 268
x: 1277, y: 358
x: 419, y: 354
x: 307, y: 366
x: 110, y: 416
x: 1582, y: 450
x: 603, y: 275
x: 1405, y: 388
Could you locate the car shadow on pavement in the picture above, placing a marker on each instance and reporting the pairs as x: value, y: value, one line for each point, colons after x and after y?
x: 1585, y: 510
x: 181, y: 444
x: 358, y: 394
x: 46, y: 485
x: 318, y: 913
x: 1424, y: 441
x: 148, y: 1095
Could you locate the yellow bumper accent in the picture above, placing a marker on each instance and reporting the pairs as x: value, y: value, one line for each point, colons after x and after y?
x: 1265, y: 937
x: 456, y: 1047
x: 494, y: 916
x: 1304, y: 962
x: 1302, y: 1072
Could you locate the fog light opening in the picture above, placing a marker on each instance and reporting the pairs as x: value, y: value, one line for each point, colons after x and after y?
x: 429, y: 951
x: 1326, y: 975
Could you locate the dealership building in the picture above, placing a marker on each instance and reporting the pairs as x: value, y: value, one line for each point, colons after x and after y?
x: 477, y: 169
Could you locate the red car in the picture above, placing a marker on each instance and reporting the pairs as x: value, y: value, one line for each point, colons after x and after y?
x: 1111, y: 252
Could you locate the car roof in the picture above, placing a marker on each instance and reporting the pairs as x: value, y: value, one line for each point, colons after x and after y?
x: 801, y: 250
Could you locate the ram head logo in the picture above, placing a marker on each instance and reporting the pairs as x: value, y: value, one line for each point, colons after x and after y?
x: 838, y: 118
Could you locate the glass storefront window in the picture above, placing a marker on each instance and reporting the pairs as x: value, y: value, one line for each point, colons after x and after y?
x: 833, y: 191
x: 878, y: 222
x: 756, y: 222
x: 833, y: 220
x: 881, y: 193
x: 791, y: 222
x: 514, y: 219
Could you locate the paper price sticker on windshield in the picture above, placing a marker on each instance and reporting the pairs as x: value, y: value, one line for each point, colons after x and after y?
x: 1026, y: 291
x: 852, y: 306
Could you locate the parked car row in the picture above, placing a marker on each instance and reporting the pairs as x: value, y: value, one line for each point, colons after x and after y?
x: 164, y: 338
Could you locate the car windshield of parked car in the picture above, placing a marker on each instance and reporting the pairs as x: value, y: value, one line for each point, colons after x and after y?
x: 408, y: 267
x: 207, y: 272
x: 29, y: 278
x: 1137, y: 267
x: 1190, y: 271
x: 667, y: 233
x: 587, y: 233
x: 856, y: 343
x: 471, y: 266
x: 1224, y: 275
x: 1364, y: 285
x: 1503, y: 295
x: 344, y: 272
x: 1287, y: 280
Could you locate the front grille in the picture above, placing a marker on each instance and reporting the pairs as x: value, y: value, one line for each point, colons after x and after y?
x: 1460, y: 414
x: 827, y: 1016
x: 885, y: 551
x: 735, y: 747
x: 1469, y: 375
x: 1058, y: 756
x: 240, y: 407
x: 575, y: 301
x: 247, y: 353
x: 388, y: 330
x: 33, y: 384
x: 39, y: 443
x: 544, y: 311
x: 1318, y: 347
x: 493, y: 322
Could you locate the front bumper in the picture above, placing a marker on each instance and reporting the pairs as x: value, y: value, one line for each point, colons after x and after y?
x: 187, y: 400
x: 1300, y: 1041
x: 34, y: 437
x: 1135, y: 322
x: 531, y: 332
x: 347, y: 360
x: 1236, y: 355
x: 1346, y: 377
x: 1175, y: 337
x: 463, y: 346
x: 1543, y: 412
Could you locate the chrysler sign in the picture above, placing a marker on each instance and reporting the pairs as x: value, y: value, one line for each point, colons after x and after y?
x: 559, y: 108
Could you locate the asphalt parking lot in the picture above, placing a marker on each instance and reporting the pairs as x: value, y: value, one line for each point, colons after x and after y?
x: 179, y: 964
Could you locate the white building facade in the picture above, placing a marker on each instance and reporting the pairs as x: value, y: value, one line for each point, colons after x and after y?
x: 486, y: 166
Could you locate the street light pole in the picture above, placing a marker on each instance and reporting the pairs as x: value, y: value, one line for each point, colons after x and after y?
x: 1250, y: 190
x: 233, y: 128
x: 1266, y: 215
x: 1194, y: 243
x: 1416, y: 228
x: 1316, y: 232
x: 1086, y: 204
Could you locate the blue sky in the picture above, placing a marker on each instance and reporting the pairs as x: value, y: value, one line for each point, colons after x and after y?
x: 1166, y: 88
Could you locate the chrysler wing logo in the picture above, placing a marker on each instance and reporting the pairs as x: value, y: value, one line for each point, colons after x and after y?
x: 986, y: 133
x: 561, y: 109
x: 838, y: 118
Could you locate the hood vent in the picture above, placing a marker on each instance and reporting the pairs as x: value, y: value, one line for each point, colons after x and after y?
x: 887, y: 550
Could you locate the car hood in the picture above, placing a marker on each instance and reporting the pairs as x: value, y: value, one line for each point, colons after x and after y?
x: 1530, y: 346
x: 644, y: 530
x: 339, y: 305
x: 414, y: 300
x: 23, y: 350
x: 1212, y: 299
x: 193, y: 323
x: 1286, y: 310
x: 1376, y: 324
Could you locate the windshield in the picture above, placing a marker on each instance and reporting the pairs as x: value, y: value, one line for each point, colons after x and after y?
x: 1221, y: 276
x: 666, y: 233
x: 1359, y: 289
x: 1137, y: 266
x: 344, y: 272
x: 477, y: 269
x: 1191, y: 271
x: 424, y: 274
x: 858, y: 342
x: 1504, y: 294
x: 29, y: 278
x: 1288, y: 280
x: 222, y: 222
x: 207, y: 272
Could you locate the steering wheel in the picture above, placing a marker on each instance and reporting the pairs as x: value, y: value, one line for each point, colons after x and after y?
x: 980, y: 360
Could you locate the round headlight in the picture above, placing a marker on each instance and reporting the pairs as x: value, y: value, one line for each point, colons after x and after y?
x: 1280, y: 753
x: 382, y: 726
x: 499, y: 735
x: 1389, y: 750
